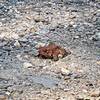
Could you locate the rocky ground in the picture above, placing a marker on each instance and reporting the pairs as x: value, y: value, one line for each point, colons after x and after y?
x: 27, y: 24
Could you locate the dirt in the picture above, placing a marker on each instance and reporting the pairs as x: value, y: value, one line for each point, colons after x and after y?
x: 71, y: 24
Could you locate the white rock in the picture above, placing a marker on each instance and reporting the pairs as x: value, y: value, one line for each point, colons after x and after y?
x: 76, y: 37
x: 60, y: 56
x: 19, y: 57
x: 65, y: 71
x: 7, y: 93
x: 27, y: 65
x: 17, y: 44
x: 40, y: 45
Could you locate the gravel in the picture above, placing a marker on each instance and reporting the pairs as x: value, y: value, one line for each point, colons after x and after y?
x: 27, y: 24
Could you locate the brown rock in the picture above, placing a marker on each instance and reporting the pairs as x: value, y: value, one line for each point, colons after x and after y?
x: 52, y: 51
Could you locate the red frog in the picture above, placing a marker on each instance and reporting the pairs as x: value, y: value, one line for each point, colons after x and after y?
x: 52, y: 51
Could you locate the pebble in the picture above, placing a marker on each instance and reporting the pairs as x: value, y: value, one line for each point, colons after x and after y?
x: 27, y: 65
x: 98, y: 62
x: 19, y: 57
x: 76, y: 75
x: 77, y: 37
x: 24, y: 40
x: 32, y: 30
x: 38, y: 18
x: 17, y: 44
x: 60, y: 56
x: 80, y: 97
x: 40, y: 44
x: 1, y: 24
x: 67, y: 98
x: 7, y: 93
x: 65, y: 71
x: 95, y: 93
x: 96, y: 37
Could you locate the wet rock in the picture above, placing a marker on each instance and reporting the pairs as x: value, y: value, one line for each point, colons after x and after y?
x: 52, y: 51
x: 77, y: 37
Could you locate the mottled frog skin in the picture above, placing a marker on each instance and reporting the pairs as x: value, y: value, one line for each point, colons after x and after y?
x: 52, y: 51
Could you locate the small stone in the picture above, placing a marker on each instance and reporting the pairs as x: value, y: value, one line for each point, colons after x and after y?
x: 65, y: 71
x: 66, y: 90
x: 76, y: 37
x: 98, y: 62
x: 96, y: 37
x: 29, y: 17
x: 76, y: 75
x: 19, y: 57
x: 95, y: 93
x: 40, y: 44
x: 1, y: 24
x: 7, y: 93
x: 38, y: 18
x: 71, y: 23
x: 24, y: 40
x: 32, y: 30
x: 80, y: 97
x: 2, y: 97
x: 60, y: 56
x: 17, y: 44
x: 27, y: 65
x: 72, y: 16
